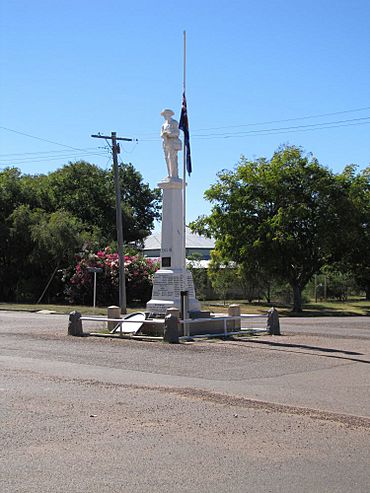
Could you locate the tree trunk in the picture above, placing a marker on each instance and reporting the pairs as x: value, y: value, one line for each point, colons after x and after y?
x: 297, y: 298
x: 367, y: 292
x: 268, y: 295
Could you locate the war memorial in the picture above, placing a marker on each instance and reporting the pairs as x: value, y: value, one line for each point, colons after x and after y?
x: 173, y: 307
x: 172, y: 278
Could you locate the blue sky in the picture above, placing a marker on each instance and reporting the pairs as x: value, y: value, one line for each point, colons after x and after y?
x: 73, y: 68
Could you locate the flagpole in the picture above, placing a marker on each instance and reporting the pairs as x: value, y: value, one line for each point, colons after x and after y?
x: 184, y: 158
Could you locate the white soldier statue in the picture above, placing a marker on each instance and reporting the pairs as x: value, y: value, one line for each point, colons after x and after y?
x: 171, y: 143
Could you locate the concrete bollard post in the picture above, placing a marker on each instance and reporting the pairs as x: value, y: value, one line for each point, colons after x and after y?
x: 75, y: 324
x: 273, y: 324
x: 171, y: 326
x: 113, y: 312
x: 173, y: 311
x: 234, y: 311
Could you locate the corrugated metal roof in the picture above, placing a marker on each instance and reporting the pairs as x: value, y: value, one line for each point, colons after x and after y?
x: 153, y: 242
x: 197, y: 264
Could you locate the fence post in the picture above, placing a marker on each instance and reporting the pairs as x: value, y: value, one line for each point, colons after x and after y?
x: 171, y: 327
x: 113, y: 312
x: 273, y: 324
x: 184, y: 302
x: 234, y: 311
x: 75, y: 324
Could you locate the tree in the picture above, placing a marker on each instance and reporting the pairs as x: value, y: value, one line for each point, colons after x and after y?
x: 57, y: 237
x: 222, y: 274
x: 141, y: 205
x: 45, y: 219
x: 284, y: 215
x: 87, y: 192
x: 11, y: 253
x: 200, y: 275
x: 255, y: 281
x: 357, y: 257
x: 38, y: 243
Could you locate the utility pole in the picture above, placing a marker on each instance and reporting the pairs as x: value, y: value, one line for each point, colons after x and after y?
x: 115, y: 151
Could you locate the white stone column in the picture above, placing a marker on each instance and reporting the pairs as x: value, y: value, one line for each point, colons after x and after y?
x: 172, y: 277
x: 172, y: 237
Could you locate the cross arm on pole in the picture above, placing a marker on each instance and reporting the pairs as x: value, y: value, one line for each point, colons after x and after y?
x: 110, y: 137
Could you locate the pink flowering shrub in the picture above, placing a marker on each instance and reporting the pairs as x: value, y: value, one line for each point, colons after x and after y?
x: 139, y: 273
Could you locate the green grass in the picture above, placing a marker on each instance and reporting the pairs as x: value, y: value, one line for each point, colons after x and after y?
x: 352, y: 307
x: 62, y: 309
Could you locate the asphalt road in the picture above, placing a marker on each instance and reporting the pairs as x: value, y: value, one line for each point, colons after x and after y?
x: 289, y: 413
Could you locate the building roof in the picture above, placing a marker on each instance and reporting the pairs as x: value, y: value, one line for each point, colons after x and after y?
x: 153, y: 242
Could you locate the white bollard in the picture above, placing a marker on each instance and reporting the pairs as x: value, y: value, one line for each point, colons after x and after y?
x: 234, y: 311
x: 113, y: 312
x: 173, y: 311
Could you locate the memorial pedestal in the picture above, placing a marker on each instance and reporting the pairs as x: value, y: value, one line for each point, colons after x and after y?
x: 172, y: 278
x: 167, y: 287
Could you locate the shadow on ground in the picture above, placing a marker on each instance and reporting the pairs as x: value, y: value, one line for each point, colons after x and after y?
x: 327, y: 352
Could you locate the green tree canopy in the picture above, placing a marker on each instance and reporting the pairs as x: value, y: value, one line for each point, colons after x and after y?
x: 45, y: 219
x: 357, y: 256
x: 87, y: 192
x: 284, y: 215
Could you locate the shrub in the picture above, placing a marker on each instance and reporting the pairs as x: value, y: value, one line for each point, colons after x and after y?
x: 139, y: 272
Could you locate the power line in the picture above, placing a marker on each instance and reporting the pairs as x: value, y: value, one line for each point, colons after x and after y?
x: 39, y: 138
x: 269, y: 122
x: 313, y: 126
x: 274, y: 131
x: 282, y: 131
x: 52, y: 158
x: 51, y: 152
x: 262, y: 130
x: 132, y: 148
x: 286, y: 119
x: 268, y: 131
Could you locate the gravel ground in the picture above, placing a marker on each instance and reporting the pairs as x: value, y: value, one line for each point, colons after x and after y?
x: 272, y: 414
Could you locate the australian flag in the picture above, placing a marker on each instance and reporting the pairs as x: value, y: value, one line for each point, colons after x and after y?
x: 184, y: 126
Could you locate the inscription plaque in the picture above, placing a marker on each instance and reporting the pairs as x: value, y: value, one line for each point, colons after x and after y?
x: 170, y: 286
x: 166, y: 261
x: 163, y: 286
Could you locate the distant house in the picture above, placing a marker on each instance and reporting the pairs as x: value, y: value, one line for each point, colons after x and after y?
x: 195, y: 245
x: 201, y: 247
